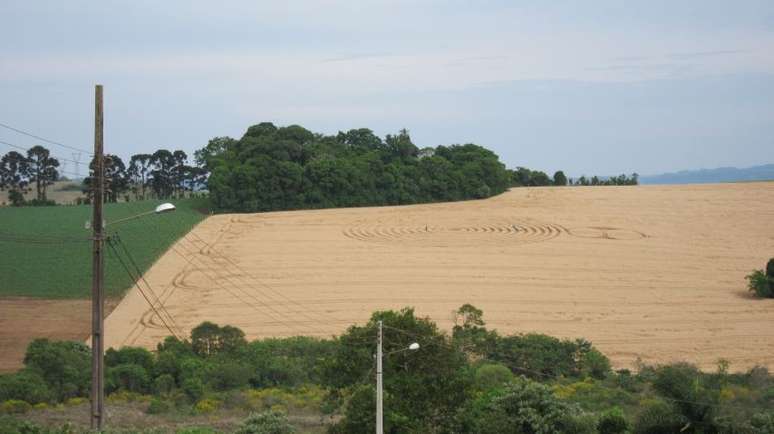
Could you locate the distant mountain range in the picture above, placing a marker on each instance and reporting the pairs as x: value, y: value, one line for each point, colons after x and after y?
x: 704, y: 176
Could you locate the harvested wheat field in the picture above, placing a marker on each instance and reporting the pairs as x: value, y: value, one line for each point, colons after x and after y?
x: 650, y: 272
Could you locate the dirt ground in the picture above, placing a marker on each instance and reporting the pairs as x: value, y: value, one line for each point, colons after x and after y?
x: 24, y: 319
x: 650, y: 272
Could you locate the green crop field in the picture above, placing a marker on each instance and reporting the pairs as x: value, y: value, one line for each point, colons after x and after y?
x: 46, y: 251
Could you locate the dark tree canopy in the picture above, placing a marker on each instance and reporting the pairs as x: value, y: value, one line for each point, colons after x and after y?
x: 42, y: 169
x: 273, y: 168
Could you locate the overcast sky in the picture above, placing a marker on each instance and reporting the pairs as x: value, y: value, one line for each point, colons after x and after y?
x: 591, y: 87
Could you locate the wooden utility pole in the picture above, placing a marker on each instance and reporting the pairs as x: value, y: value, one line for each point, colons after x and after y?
x: 97, y: 286
x: 379, y: 384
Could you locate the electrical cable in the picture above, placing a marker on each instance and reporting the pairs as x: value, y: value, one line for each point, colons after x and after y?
x: 27, y: 149
x: 140, y: 276
x: 152, y: 306
x: 44, y: 139
x: 215, y: 280
x: 305, y: 311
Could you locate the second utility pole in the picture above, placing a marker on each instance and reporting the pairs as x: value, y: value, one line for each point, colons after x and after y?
x: 97, y: 281
x: 379, y: 408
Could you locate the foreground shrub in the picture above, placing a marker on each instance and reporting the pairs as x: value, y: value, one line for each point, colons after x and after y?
x: 539, y: 356
x: 613, y: 421
x: 763, y: 423
x: 523, y: 406
x: 206, y: 406
x: 127, y: 376
x: 193, y: 388
x: 659, y: 418
x: 65, y: 366
x: 14, y: 406
x: 491, y: 376
x: 304, y: 398
x: 689, y: 390
x: 268, y: 422
x: 24, y: 385
x: 595, y: 364
x: 158, y: 406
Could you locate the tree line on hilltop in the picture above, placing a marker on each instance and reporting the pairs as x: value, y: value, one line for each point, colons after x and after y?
x: 280, y: 168
x: 273, y: 168
x: 473, y: 380
x: 523, y: 177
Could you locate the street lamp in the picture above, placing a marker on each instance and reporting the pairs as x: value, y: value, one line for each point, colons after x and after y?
x: 379, y: 372
x: 163, y: 208
x: 98, y: 306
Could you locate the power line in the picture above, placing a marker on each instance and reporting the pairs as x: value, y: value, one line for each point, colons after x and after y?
x: 236, y: 289
x: 278, y: 319
x: 248, y: 284
x: 151, y: 304
x: 320, y: 316
x: 44, y: 139
x: 140, y: 276
x: 44, y: 240
x: 27, y: 149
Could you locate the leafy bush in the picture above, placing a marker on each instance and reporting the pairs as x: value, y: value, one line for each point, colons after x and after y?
x: 13, y: 425
x: 491, y: 376
x: 164, y: 384
x: 761, y: 284
x: 268, y: 422
x: 522, y: 406
x: 537, y: 356
x: 595, y: 364
x: 692, y: 394
x: 228, y: 375
x: 208, y: 339
x: 129, y: 377
x: 25, y: 385
x: 659, y: 418
x: 14, y: 406
x: 763, y: 423
x: 39, y: 202
x: 193, y: 388
x: 613, y: 421
x: 65, y: 366
x: 594, y: 395
x: 158, y: 406
x: 207, y: 405
x: 288, y: 362
x: 431, y: 383
x: 129, y: 355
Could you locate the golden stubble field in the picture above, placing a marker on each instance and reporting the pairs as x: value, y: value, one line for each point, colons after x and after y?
x: 650, y: 272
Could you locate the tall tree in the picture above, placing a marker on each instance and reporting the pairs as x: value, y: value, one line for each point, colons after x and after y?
x: 179, y: 171
x: 560, y: 179
x: 161, y: 180
x: 115, y: 178
x: 42, y: 169
x: 14, y: 176
x: 140, y: 166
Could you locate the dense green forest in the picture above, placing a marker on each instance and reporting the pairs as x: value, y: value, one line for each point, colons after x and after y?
x: 474, y: 380
x: 273, y: 168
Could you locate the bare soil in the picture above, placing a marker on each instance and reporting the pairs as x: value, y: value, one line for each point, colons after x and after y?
x: 24, y: 319
x: 650, y: 272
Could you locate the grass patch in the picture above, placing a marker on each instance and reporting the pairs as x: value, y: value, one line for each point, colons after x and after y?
x: 50, y: 268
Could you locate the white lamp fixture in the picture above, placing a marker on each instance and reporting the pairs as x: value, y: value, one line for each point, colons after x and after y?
x: 165, y: 207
